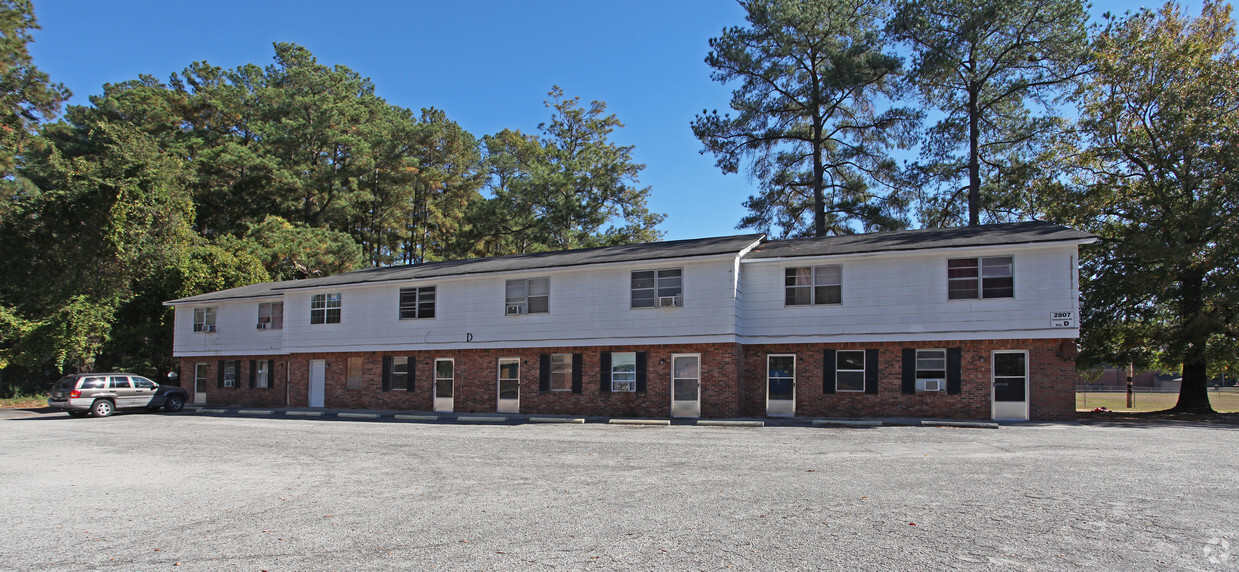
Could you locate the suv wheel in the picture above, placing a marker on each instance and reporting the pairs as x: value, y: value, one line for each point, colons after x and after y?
x: 101, y: 408
x: 174, y: 403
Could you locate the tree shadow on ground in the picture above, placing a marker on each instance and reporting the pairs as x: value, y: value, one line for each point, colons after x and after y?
x: 1155, y: 419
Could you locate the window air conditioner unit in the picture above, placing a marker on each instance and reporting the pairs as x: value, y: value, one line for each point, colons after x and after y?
x: 668, y: 301
x: 207, y: 328
x: 515, y: 310
x: 929, y: 385
x: 262, y: 326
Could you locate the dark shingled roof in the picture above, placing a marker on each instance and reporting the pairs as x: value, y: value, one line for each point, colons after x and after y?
x: 564, y: 258
x: 558, y: 259
x: 251, y: 291
x: 984, y: 235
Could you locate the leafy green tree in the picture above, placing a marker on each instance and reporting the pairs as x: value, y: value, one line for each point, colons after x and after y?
x: 570, y: 188
x: 27, y: 95
x: 993, y: 69
x: 448, y: 178
x: 108, y: 210
x: 1158, y: 165
x: 290, y: 251
x: 814, y: 116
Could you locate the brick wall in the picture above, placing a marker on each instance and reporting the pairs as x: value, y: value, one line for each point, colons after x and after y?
x: 733, y: 382
x: 1051, y: 382
x: 476, y: 382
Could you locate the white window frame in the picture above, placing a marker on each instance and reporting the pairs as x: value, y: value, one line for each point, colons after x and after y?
x: 839, y: 370
x: 816, y: 280
x: 274, y: 318
x: 666, y: 283
x: 394, y: 373
x: 561, y: 370
x: 204, y: 319
x: 519, y: 292
x: 983, y: 268
x: 230, y: 373
x: 928, y: 372
x: 322, y: 307
x: 621, y: 377
x: 420, y: 304
x: 262, y: 374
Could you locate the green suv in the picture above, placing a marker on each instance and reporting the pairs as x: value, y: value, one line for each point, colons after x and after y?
x: 99, y: 394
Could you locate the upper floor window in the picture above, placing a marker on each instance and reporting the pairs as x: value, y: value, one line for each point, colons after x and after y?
x: 657, y: 288
x: 528, y: 296
x: 813, y: 285
x: 271, y: 315
x: 417, y: 302
x: 204, y: 319
x: 992, y: 277
x: 325, y: 309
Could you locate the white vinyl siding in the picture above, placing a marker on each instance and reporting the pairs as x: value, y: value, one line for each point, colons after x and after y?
x: 903, y: 297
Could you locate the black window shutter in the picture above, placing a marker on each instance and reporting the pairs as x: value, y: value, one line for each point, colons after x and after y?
x: 828, y: 371
x: 220, y: 371
x: 386, y: 373
x: 412, y: 370
x: 578, y: 363
x: 909, y: 371
x: 253, y: 372
x: 641, y: 372
x: 604, y: 371
x: 544, y: 373
x: 954, y: 371
x: 871, y: 371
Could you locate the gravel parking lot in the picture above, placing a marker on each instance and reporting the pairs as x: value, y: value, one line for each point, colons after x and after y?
x: 192, y: 492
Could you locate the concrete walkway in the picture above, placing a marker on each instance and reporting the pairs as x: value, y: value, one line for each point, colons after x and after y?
x: 521, y: 418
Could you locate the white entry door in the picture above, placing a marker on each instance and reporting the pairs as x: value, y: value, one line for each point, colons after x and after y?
x: 1010, y: 376
x: 318, y: 382
x: 686, y: 385
x: 200, y: 382
x: 509, y: 385
x: 445, y: 372
x: 781, y: 385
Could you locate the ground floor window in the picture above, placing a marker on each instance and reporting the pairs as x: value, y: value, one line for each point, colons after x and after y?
x: 561, y: 372
x: 850, y: 370
x: 262, y: 374
x: 230, y: 374
x: 623, y: 371
x: 400, y: 373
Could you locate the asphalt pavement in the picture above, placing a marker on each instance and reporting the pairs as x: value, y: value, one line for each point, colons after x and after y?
x: 199, y: 492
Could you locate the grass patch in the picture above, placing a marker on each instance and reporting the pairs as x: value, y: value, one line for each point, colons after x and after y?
x: 24, y: 401
x: 1225, y: 401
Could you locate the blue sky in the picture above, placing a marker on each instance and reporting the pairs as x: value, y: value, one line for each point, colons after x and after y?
x: 488, y: 64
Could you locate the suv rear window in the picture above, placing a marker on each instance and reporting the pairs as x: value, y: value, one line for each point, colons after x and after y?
x: 66, y: 383
x: 92, y: 383
x: 120, y: 383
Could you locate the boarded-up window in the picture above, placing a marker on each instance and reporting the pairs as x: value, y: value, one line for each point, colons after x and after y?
x: 354, y: 373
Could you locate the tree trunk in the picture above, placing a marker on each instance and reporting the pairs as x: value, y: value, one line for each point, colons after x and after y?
x: 819, y: 201
x: 1194, y: 391
x: 974, y: 158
